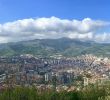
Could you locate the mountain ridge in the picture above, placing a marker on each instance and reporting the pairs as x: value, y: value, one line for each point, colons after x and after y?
x: 47, y: 47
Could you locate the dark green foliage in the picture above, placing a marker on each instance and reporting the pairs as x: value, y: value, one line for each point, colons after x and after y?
x: 31, y: 93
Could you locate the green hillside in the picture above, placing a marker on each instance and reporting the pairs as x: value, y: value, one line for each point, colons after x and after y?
x: 47, y: 47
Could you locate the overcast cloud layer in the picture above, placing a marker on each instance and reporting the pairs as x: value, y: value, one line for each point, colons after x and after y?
x: 41, y: 28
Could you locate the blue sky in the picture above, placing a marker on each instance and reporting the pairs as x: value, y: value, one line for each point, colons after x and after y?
x: 32, y: 19
x: 11, y: 10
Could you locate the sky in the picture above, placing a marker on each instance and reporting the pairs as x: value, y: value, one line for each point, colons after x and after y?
x: 77, y: 19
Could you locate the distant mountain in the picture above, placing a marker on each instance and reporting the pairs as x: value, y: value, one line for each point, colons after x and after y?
x: 47, y: 47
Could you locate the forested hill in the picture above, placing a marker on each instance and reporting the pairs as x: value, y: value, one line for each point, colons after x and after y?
x: 47, y: 47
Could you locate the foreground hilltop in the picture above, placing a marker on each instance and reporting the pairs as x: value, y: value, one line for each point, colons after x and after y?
x: 49, y: 47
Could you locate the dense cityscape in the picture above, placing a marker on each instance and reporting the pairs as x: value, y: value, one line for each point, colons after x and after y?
x: 56, y: 72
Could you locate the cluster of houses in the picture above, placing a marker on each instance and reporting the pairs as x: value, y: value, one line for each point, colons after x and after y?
x: 78, y: 71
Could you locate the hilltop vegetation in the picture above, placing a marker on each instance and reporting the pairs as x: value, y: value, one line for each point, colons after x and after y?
x: 47, y: 47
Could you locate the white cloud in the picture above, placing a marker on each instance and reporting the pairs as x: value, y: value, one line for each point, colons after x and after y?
x: 52, y: 27
x: 105, y: 37
x: 86, y: 36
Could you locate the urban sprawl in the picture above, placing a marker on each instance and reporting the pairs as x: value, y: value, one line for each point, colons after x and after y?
x: 57, y: 72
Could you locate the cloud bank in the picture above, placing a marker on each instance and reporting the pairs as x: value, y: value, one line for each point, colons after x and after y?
x: 53, y: 27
